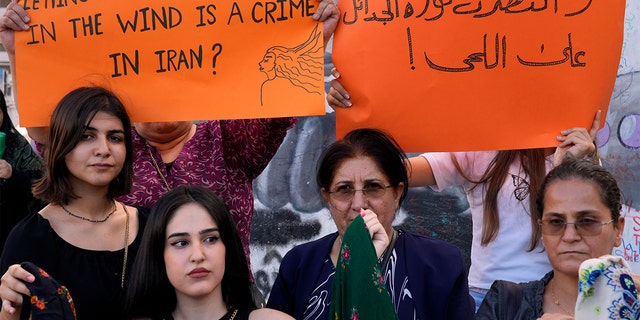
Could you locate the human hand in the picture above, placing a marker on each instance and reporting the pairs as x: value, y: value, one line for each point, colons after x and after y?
x: 556, y: 316
x: 328, y: 14
x: 12, y: 288
x: 577, y: 141
x: 636, y: 279
x: 5, y: 169
x: 15, y: 18
x: 379, y: 236
x: 338, y: 96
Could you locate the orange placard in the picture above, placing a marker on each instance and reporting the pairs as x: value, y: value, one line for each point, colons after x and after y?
x: 174, y: 60
x: 462, y: 75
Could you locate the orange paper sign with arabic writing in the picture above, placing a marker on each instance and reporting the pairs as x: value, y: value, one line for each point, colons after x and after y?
x: 174, y: 60
x: 476, y: 75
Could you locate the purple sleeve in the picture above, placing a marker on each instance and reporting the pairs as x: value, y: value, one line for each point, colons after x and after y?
x: 250, y: 144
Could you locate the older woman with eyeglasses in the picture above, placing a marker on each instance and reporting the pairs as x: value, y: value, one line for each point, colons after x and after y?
x: 579, y: 214
x: 364, y: 174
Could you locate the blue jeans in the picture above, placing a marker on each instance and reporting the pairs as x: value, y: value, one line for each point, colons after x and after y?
x: 478, y: 295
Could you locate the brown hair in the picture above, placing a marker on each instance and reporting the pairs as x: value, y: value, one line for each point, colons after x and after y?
x: 150, y: 293
x: 587, y: 170
x: 533, y: 164
x: 68, y: 123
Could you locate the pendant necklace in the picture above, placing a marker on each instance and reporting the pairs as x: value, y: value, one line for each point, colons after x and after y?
x: 155, y: 165
x: 557, y: 302
x: 90, y: 220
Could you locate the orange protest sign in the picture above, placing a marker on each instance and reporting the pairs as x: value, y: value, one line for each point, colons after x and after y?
x: 476, y: 75
x: 174, y: 60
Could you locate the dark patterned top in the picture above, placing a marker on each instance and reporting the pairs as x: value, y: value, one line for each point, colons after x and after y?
x: 426, y: 279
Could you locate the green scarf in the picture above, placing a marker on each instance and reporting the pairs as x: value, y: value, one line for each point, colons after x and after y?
x: 359, y: 291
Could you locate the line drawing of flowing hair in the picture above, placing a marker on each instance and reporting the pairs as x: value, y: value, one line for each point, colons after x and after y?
x: 301, y: 65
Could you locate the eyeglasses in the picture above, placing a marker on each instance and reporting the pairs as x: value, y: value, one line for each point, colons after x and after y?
x: 346, y: 193
x: 585, y: 227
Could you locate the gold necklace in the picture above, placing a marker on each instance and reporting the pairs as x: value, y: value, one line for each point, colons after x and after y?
x: 557, y: 302
x: 90, y: 220
x: 155, y: 165
x: 126, y: 246
x: 234, y: 314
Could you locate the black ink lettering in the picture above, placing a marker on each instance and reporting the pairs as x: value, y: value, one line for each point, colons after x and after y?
x: 356, y: 8
x: 145, y: 23
x: 32, y: 6
x: 279, y: 10
x: 504, y: 52
x: 410, y: 48
x: 496, y: 49
x: 178, y: 59
x: 282, y: 17
x: 235, y: 11
x: 217, y: 49
x: 486, y: 14
x: 579, y: 11
x: 300, y: 7
x: 575, y: 59
x: 48, y: 4
x: 152, y: 19
x: 40, y: 33
x: 457, y: 9
x: 253, y: 12
x: 90, y: 25
x: 127, y: 64
x: 567, y: 52
x: 468, y: 62
x: 436, y: 4
x: 124, y: 26
x: 268, y: 10
x: 210, y: 15
x: 386, y: 15
x: 310, y: 6
x: 408, y: 10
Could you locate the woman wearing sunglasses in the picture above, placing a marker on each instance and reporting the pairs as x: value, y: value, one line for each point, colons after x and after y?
x: 579, y: 215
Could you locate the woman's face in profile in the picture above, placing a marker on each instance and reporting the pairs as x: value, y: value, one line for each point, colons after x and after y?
x: 577, y: 200
x: 268, y: 64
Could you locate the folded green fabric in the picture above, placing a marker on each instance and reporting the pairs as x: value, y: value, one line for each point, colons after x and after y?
x: 358, y: 290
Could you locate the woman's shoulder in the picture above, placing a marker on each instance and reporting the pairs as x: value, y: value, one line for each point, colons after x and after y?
x: 265, y: 313
x: 426, y: 256
x: 428, y: 245
x: 32, y: 237
x: 308, y: 254
x: 536, y: 287
x: 31, y: 226
x: 143, y: 213
x: 313, y: 247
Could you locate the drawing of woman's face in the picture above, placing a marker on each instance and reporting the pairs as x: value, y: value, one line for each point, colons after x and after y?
x: 268, y: 64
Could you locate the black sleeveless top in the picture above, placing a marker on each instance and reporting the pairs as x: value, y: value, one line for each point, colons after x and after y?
x: 233, y: 314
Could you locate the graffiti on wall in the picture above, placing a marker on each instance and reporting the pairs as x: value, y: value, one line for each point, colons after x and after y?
x: 619, y: 142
